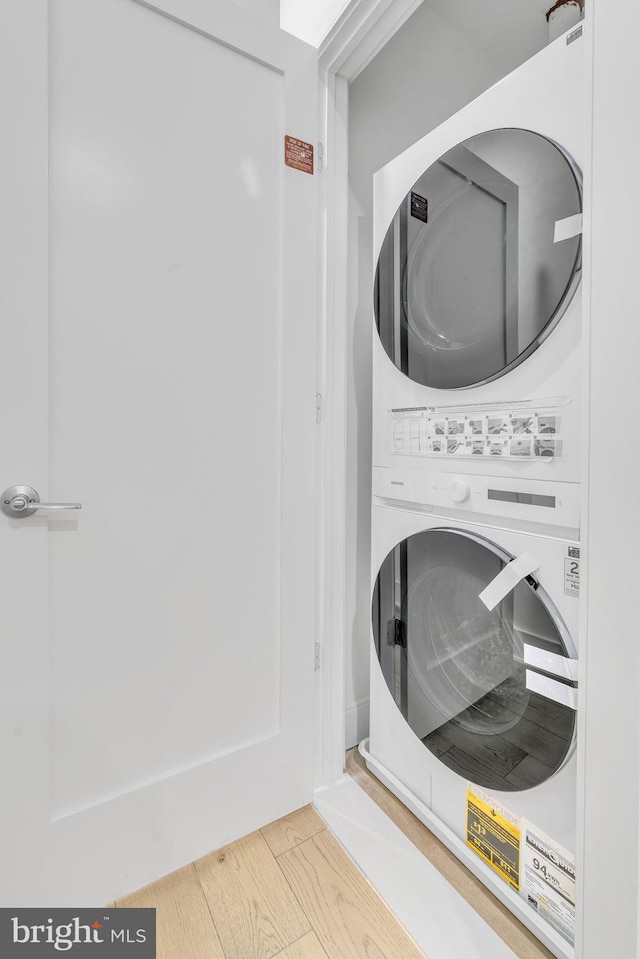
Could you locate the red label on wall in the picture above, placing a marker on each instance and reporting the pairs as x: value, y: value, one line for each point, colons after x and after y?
x: 298, y: 154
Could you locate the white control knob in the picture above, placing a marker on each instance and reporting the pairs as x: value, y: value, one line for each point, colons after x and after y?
x: 459, y: 491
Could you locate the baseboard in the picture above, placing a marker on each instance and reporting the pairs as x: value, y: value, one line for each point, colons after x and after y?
x: 356, y: 722
x: 436, y: 917
x: 547, y: 935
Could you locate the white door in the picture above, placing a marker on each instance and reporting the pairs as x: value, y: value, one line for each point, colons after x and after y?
x: 157, y: 365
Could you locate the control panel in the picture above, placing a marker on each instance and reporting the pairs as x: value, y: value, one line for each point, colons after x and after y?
x: 551, y: 503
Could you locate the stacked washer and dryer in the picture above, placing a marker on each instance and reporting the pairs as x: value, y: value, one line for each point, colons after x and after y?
x: 476, y: 473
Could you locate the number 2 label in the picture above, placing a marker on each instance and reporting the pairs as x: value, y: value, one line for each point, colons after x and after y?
x: 572, y: 576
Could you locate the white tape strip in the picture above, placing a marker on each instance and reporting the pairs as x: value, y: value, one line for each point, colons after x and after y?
x: 507, y: 579
x: 552, y: 689
x: 551, y: 662
x: 565, y: 229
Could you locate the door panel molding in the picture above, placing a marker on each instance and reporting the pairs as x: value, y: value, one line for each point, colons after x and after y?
x: 231, y: 25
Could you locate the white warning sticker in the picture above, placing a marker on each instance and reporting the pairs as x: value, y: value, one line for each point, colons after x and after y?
x: 572, y: 572
x: 569, y: 227
x: 548, y: 880
x: 507, y: 579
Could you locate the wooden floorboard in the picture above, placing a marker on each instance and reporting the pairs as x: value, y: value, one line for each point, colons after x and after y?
x: 521, y: 757
x: 498, y: 755
x: 306, y: 948
x: 529, y: 772
x: 349, y: 918
x: 184, y: 926
x: 290, y: 831
x: 256, y: 913
x: 287, y: 891
x: 522, y: 942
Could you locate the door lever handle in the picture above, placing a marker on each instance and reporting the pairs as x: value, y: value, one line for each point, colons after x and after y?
x: 21, y: 501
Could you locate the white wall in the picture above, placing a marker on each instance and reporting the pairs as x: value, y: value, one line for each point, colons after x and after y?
x: 446, y: 54
x: 610, y: 731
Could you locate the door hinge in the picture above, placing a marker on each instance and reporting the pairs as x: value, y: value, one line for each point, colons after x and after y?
x: 320, y: 158
x: 396, y: 633
x: 318, y: 407
x: 316, y: 657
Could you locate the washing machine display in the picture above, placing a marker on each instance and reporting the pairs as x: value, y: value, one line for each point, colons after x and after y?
x: 481, y: 259
x: 489, y: 692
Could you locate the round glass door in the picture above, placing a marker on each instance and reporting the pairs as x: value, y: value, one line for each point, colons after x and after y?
x: 481, y: 259
x: 461, y: 674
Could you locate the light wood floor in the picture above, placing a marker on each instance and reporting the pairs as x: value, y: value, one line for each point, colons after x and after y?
x: 288, y: 890
x: 522, y: 942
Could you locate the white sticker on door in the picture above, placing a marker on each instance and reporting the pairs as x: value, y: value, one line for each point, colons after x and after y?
x: 548, y: 880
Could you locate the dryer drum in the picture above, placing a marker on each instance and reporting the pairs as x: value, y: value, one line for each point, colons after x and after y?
x: 478, y: 264
x: 457, y: 670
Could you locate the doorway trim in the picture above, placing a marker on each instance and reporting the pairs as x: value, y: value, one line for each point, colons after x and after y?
x: 361, y: 31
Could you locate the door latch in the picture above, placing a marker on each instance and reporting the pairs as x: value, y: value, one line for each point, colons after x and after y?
x: 396, y: 633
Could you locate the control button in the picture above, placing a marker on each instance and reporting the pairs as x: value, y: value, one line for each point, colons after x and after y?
x: 459, y: 491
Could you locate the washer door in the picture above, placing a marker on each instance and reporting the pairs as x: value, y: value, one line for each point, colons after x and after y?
x: 480, y: 260
x: 465, y: 677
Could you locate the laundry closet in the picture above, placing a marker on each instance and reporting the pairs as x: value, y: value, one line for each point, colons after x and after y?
x: 439, y: 422
x: 443, y: 57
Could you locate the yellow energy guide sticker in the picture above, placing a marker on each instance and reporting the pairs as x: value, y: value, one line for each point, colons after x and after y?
x: 494, y: 834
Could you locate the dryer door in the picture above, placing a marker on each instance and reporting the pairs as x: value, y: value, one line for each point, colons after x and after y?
x: 480, y: 260
x: 490, y: 693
